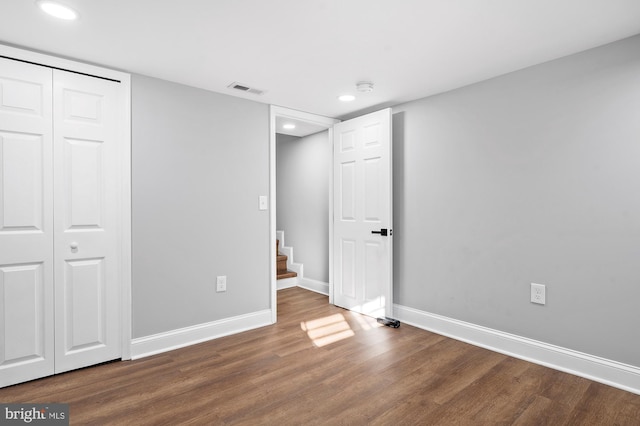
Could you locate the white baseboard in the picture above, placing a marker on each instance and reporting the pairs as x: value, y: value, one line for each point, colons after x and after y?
x: 287, y: 283
x: 163, y: 342
x: 612, y: 373
x: 313, y: 285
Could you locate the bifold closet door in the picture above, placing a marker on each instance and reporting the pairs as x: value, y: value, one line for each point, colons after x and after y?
x: 26, y: 223
x: 87, y: 288
x: 59, y: 257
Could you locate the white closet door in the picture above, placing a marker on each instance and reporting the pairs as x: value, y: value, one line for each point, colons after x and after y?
x: 26, y: 223
x: 87, y: 287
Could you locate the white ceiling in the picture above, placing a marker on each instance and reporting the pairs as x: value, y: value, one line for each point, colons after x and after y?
x: 305, y: 53
x: 302, y: 128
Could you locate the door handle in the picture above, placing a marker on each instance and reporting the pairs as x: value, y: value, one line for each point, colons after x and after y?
x: 384, y: 232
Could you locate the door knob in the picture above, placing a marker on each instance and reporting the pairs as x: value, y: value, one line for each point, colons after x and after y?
x: 384, y: 232
x: 74, y: 246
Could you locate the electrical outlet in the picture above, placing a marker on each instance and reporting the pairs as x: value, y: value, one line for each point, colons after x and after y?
x: 538, y: 293
x: 221, y: 283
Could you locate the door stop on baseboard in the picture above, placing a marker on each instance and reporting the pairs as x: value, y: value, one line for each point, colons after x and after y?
x: 389, y: 322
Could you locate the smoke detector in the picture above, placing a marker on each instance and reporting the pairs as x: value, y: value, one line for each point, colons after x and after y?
x: 364, y: 86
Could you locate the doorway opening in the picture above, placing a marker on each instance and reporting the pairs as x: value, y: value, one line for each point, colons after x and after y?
x: 305, y: 124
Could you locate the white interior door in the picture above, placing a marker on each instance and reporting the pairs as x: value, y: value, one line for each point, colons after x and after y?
x: 363, y: 210
x: 26, y: 223
x: 87, y: 288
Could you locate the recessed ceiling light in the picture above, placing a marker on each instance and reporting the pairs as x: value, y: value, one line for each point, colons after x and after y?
x: 346, y: 98
x: 58, y: 10
x: 289, y: 126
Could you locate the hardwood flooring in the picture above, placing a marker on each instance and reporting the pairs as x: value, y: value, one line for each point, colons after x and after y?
x: 323, y: 365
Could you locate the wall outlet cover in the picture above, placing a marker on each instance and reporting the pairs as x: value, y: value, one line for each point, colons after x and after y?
x: 538, y: 293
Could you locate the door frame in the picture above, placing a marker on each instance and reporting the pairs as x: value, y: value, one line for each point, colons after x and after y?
x: 326, y: 122
x: 124, y: 172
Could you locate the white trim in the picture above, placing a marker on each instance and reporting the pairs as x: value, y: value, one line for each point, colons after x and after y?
x: 612, y: 373
x: 319, y: 120
x: 125, y: 224
x: 163, y: 342
x: 314, y: 285
x: 273, y: 271
x: 287, y: 283
x: 124, y: 168
x: 276, y: 111
x: 66, y: 64
x: 331, y: 219
x: 306, y: 283
x: 389, y: 295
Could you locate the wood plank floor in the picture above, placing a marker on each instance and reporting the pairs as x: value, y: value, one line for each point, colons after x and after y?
x: 323, y: 365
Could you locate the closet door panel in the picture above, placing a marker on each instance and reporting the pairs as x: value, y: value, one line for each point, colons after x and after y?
x: 23, y: 183
x: 84, y: 184
x: 26, y: 223
x: 22, y: 306
x: 85, y: 302
x: 87, y: 285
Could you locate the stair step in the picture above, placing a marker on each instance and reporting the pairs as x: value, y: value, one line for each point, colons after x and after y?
x: 288, y: 274
x: 281, y: 264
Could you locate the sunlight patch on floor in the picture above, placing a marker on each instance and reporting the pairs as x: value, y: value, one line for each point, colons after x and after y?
x: 327, y: 330
x: 367, y: 323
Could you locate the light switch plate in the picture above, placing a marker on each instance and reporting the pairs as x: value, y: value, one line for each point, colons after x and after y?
x: 221, y: 283
x: 263, y: 202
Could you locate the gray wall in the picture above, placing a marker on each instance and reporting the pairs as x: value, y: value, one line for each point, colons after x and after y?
x: 200, y: 162
x: 303, y: 167
x: 530, y: 177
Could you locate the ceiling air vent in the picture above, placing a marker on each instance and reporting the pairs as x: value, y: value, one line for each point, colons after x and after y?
x: 245, y: 88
